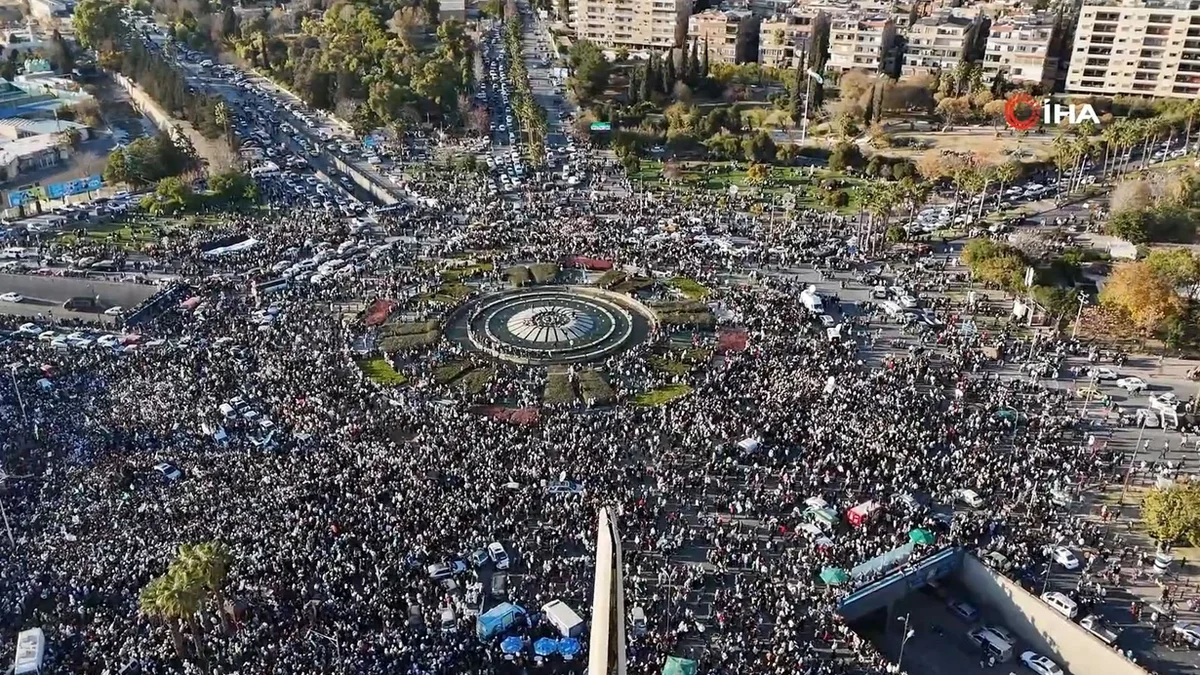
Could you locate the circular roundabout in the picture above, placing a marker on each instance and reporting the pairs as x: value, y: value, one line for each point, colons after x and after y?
x: 552, y: 325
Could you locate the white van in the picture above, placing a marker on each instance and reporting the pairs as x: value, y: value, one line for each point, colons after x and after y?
x: 992, y: 642
x: 1061, y: 604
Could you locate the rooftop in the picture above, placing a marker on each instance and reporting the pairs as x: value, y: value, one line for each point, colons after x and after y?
x: 24, y: 147
x: 1177, y: 5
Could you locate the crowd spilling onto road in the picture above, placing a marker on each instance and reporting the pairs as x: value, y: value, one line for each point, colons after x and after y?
x: 335, y: 495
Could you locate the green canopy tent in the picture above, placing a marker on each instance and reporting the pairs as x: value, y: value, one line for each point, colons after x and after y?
x: 834, y: 576
x: 678, y: 666
x: 921, y: 537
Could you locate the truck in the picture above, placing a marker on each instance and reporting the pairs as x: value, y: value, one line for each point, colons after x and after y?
x: 563, y: 618
x: 497, y: 620
x: 1096, y: 626
x: 811, y: 300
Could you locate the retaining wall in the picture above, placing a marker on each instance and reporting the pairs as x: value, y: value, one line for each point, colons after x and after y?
x: 1043, y: 629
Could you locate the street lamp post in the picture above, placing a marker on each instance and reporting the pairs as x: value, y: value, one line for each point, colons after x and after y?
x: 1132, y: 458
x: 1078, y: 314
x: 12, y: 373
x: 908, y: 632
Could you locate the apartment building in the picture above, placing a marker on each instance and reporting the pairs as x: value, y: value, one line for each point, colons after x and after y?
x: 649, y: 25
x: 864, y: 44
x: 939, y: 43
x: 728, y: 34
x: 782, y: 38
x: 1025, y: 49
x: 1146, y: 48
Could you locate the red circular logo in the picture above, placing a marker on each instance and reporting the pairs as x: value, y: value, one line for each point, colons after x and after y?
x: 1014, y: 119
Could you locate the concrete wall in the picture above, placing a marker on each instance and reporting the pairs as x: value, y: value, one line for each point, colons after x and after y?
x: 146, y: 105
x: 376, y: 190
x: 1043, y: 629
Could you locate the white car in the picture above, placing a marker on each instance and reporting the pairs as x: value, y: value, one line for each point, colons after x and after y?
x: 1105, y: 374
x: 498, y: 555
x: 168, y: 471
x: 30, y: 329
x: 1164, y: 403
x: 968, y: 497
x: 1065, y: 557
x: 11, y: 297
x: 1132, y: 384
x: 1042, y: 665
x: 114, y: 311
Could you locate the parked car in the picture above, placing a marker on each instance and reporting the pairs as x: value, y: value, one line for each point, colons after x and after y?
x: 1097, y: 626
x: 1042, y: 665
x: 1132, y: 384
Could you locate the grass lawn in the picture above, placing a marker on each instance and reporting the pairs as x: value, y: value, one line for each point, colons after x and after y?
x: 454, y: 275
x: 381, y: 372
x: 781, y: 180
x: 475, y: 381
x: 667, y: 364
x: 450, y: 372
x: 518, y: 275
x: 400, y: 336
x: 559, y: 390
x: 594, y: 388
x: 447, y: 294
x: 691, y: 289
x: 662, y: 395
x: 123, y: 235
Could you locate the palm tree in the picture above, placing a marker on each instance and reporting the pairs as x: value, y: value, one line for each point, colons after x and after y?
x: 1191, y: 111
x: 1110, y: 137
x: 207, y: 566
x: 170, y: 600
x: 1005, y: 174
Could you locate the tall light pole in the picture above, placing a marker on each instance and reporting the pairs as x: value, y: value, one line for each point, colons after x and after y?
x: 1132, y: 458
x: 908, y: 632
x: 1078, y: 314
x: 12, y: 373
x: 811, y: 75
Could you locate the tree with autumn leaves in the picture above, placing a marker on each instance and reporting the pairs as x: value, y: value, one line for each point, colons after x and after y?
x: 1146, y: 295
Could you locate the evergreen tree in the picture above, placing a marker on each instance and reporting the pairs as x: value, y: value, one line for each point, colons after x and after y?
x: 796, y: 103
x: 691, y: 74
x: 669, y: 78
x: 645, y: 84
x: 654, y: 72
x: 704, y: 63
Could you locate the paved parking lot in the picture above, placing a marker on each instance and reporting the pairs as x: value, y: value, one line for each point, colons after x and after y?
x: 44, y: 296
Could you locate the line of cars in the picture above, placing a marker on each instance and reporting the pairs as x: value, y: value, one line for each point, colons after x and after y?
x: 993, y: 641
x: 72, y: 340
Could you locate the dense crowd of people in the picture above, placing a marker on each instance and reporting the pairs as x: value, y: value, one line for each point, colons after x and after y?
x: 333, y: 524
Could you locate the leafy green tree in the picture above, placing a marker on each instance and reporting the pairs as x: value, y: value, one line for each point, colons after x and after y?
x: 174, y: 194
x: 1132, y: 226
x: 1172, y: 515
x: 1177, y: 265
x: 589, y: 70
x: 233, y: 186
x: 845, y: 156
x: 896, y: 234
x: 98, y: 24
x: 759, y: 148
x: 116, y: 171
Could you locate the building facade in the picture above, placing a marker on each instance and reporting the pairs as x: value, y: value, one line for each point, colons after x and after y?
x: 727, y: 34
x: 782, y: 38
x: 938, y: 43
x: 651, y: 25
x: 1025, y: 49
x: 862, y: 44
x: 1146, y: 48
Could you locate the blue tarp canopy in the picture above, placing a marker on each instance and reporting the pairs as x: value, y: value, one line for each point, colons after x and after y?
x: 512, y: 645
x: 569, y: 647
x: 545, y: 647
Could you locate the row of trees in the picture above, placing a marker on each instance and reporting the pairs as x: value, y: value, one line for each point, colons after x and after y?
x: 1159, y: 209
x: 98, y: 26
x: 532, y: 116
x: 192, y: 587
x: 372, y: 62
x: 148, y: 160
